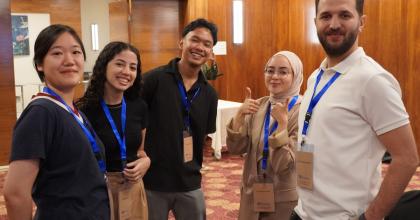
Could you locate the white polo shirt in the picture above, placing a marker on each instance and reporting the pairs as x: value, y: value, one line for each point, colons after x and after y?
x: 364, y: 102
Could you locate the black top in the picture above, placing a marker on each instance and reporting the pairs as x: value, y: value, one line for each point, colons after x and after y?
x: 136, y: 121
x: 164, y: 138
x: 69, y: 184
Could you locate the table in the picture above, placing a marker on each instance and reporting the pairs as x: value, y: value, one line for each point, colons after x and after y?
x: 225, y: 111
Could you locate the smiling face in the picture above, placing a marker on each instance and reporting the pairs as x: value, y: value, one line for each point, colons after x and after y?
x: 278, y: 75
x: 196, y: 47
x: 121, y: 71
x: 63, y: 64
x: 338, y: 26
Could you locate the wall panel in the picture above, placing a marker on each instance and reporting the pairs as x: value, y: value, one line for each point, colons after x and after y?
x: 155, y: 31
x: 118, y: 21
x: 244, y: 63
x: 7, y: 83
x: 412, y: 62
x: 302, y: 36
x: 382, y: 37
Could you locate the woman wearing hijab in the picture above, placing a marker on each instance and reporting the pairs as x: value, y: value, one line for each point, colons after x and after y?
x: 266, y: 131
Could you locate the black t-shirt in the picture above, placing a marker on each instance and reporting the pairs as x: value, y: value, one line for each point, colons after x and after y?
x: 69, y: 184
x: 136, y: 121
x: 164, y: 138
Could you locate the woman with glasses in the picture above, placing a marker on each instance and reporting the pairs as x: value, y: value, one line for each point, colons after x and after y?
x: 265, y: 130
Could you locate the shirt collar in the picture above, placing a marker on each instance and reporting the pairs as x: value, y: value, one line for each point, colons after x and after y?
x: 345, y: 65
x: 172, y: 68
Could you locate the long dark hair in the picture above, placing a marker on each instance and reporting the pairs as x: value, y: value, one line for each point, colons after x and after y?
x: 95, y: 90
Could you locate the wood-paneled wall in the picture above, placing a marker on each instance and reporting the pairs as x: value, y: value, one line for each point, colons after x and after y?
x: 391, y: 36
x: 155, y: 31
x: 118, y: 21
x: 7, y: 83
x: 61, y: 11
x: 411, y: 61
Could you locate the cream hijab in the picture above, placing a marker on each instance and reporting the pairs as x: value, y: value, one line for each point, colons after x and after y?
x: 297, y: 69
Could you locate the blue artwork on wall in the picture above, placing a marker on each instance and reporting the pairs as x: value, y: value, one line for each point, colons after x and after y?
x: 20, y: 35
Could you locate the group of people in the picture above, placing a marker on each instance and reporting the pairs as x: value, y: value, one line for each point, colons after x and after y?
x: 320, y: 154
x: 131, y: 147
x: 92, y: 158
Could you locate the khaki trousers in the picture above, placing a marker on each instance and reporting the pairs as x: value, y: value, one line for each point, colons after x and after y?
x: 137, y: 196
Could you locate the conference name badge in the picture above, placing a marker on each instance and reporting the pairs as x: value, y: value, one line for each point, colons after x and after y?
x: 263, y: 197
x: 304, y: 166
x: 188, y: 147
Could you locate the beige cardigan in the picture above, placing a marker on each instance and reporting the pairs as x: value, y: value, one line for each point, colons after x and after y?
x: 280, y: 164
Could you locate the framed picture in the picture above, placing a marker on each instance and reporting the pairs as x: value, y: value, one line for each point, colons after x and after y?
x: 20, y: 35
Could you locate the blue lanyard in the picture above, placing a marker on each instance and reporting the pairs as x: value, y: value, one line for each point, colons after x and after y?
x: 268, y: 132
x: 121, y: 141
x: 315, y: 100
x: 88, y: 133
x: 187, y: 103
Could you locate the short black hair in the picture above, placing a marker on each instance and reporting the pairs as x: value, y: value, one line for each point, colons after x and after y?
x: 201, y: 23
x: 46, y: 39
x: 359, y: 6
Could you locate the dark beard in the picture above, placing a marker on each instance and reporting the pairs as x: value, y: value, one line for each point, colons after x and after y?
x: 332, y: 51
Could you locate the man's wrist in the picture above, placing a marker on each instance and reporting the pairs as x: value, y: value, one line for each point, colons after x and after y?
x: 141, y: 153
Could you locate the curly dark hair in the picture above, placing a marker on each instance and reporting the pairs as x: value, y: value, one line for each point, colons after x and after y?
x: 95, y: 90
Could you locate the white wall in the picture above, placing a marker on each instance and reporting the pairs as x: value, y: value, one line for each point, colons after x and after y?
x: 26, y: 78
x: 94, y: 12
x: 24, y: 69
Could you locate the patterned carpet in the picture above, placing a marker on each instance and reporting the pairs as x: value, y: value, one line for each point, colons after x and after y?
x: 221, y: 181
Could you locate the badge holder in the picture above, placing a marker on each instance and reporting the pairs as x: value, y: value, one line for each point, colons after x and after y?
x: 188, y: 146
x: 304, y: 165
x: 263, y: 190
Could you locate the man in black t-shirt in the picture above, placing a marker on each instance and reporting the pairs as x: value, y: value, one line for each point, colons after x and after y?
x: 182, y: 111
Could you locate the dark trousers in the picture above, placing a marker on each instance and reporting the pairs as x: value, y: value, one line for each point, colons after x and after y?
x: 294, y: 216
x: 408, y: 208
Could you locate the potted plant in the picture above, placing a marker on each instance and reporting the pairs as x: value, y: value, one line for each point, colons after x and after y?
x: 210, y: 69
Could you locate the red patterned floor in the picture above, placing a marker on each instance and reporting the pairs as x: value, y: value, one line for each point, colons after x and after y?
x: 221, y: 181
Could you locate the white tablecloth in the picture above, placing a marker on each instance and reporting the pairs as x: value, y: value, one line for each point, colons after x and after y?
x: 225, y: 111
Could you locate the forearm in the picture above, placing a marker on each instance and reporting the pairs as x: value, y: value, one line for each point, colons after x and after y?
x: 282, y: 156
x: 238, y: 121
x: 18, y: 188
x: 399, y: 174
x: 19, y: 207
x: 237, y: 141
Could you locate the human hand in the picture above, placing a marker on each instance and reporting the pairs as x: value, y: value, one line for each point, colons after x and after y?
x: 135, y: 170
x: 249, y: 106
x: 279, y: 113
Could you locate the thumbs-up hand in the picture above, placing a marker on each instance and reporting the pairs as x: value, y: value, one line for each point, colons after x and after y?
x: 279, y: 113
x: 250, y: 106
